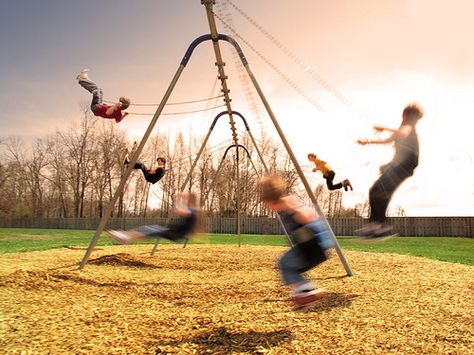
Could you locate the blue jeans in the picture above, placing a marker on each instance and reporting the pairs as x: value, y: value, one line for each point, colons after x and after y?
x: 298, y: 260
x: 96, y: 92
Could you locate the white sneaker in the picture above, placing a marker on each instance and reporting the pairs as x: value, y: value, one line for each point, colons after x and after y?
x: 368, y: 229
x: 376, y: 238
x: 375, y: 231
x: 83, y: 75
x: 119, y: 236
x: 126, y: 160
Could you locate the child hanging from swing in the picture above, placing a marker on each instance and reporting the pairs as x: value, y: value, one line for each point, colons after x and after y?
x: 179, y: 230
x: 98, y: 108
x: 151, y: 175
x: 309, y: 234
x: 328, y: 173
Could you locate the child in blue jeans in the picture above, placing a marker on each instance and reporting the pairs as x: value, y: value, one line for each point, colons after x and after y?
x: 309, y: 235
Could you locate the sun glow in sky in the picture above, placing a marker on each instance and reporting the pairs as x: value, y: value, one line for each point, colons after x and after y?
x: 380, y: 54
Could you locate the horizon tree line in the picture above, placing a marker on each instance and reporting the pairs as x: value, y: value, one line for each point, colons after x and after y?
x: 74, y: 173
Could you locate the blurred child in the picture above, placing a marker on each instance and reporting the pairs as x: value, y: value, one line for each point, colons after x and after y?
x: 97, y: 106
x: 310, y: 237
x: 328, y: 173
x: 394, y: 173
x: 179, y: 230
x: 151, y: 175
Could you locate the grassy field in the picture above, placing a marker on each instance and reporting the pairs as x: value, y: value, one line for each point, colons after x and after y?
x: 458, y: 250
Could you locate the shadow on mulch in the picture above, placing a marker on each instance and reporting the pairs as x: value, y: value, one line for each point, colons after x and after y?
x: 337, y: 277
x: 120, y: 284
x: 33, y: 280
x: 79, y: 248
x: 221, y: 340
x: 333, y: 300
x: 122, y: 259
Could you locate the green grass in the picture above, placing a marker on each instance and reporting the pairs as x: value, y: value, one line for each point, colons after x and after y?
x: 452, y: 249
x: 458, y: 250
x: 15, y: 240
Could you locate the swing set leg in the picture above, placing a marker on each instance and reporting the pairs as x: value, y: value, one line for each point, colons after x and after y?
x: 155, y: 246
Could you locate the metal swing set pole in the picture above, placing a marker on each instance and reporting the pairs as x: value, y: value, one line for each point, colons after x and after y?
x: 225, y: 90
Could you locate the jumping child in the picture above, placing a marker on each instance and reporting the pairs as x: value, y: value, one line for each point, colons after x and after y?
x: 310, y: 237
x: 394, y: 173
x: 98, y: 108
x: 179, y: 230
x: 328, y: 173
x: 151, y: 175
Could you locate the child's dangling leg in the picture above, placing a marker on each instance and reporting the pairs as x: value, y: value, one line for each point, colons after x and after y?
x: 303, y: 293
x: 89, y: 85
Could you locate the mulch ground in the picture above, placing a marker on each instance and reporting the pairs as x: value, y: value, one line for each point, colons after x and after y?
x: 226, y: 299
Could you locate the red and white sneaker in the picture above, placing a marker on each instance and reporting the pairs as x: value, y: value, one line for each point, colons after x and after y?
x: 119, y: 236
x: 303, y: 301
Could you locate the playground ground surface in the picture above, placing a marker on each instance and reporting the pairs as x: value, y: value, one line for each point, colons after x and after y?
x: 224, y: 299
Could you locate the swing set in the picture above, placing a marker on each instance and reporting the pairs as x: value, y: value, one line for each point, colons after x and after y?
x: 216, y: 38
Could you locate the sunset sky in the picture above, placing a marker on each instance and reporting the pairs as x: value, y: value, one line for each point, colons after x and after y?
x: 379, y: 54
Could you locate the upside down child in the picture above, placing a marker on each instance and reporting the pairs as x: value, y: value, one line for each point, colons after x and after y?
x: 98, y: 107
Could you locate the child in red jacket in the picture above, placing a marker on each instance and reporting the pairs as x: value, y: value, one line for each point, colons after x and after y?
x: 97, y: 106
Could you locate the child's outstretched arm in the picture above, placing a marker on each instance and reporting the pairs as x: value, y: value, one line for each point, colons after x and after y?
x: 401, y: 132
x: 366, y: 141
x: 379, y: 129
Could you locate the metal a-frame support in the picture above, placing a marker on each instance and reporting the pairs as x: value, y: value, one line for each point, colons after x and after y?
x: 198, y: 156
x: 215, y: 37
x: 256, y: 172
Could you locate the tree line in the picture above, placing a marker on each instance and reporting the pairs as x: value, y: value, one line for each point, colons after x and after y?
x: 75, y: 172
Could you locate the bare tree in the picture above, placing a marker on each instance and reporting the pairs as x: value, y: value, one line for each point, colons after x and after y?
x: 74, y: 173
x: 79, y: 165
x: 28, y: 174
x: 108, y: 151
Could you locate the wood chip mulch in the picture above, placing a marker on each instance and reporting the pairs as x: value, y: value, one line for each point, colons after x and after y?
x: 226, y: 299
